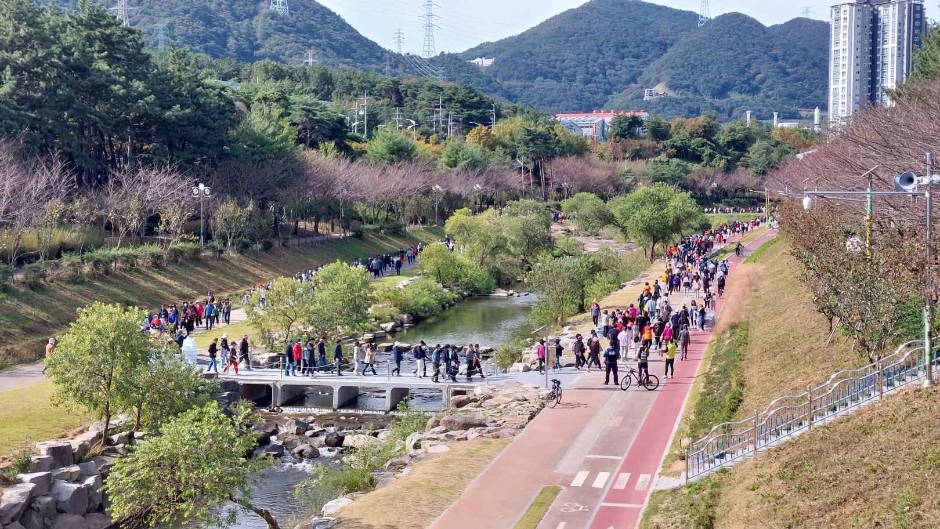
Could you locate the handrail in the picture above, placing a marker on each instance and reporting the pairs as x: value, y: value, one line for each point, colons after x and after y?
x: 844, y: 390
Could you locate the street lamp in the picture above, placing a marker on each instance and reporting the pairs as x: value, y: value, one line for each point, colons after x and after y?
x: 341, y: 191
x: 906, y: 185
x: 413, y: 128
x: 202, y: 192
x: 438, y: 191
x: 479, y: 191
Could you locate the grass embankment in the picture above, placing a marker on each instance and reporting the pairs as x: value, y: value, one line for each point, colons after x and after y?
x: 537, y: 509
x: 29, y: 317
x: 771, y: 342
x: 27, y: 415
x: 416, y: 501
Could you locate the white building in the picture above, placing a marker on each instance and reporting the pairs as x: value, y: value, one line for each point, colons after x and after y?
x: 872, y: 44
x: 483, y: 62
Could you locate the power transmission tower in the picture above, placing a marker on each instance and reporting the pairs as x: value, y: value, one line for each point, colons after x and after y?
x: 310, y: 60
x: 429, y: 48
x: 280, y: 7
x: 807, y: 12
x: 163, y: 37
x: 123, y: 12
x: 398, y: 118
x: 399, y: 39
x: 703, y: 15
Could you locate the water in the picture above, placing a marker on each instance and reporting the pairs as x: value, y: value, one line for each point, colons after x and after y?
x: 274, y: 490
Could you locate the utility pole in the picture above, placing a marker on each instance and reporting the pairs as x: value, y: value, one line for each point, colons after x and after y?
x: 280, y: 7
x: 450, y: 124
x: 429, y: 48
x: 399, y: 39
x: 703, y: 15
x: 493, y: 122
x: 398, y: 118
x: 362, y: 109
x: 310, y: 61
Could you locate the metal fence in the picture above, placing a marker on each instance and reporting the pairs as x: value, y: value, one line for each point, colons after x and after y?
x: 730, y: 442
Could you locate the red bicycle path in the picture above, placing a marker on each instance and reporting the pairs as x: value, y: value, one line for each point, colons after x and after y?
x: 603, y: 446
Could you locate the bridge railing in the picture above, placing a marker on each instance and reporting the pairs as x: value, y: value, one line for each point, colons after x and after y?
x: 786, y: 416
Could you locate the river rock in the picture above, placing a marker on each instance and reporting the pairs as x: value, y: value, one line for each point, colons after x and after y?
x: 89, y: 468
x: 14, y: 501
x: 45, y: 507
x: 69, y: 473
x: 70, y: 498
x: 413, y: 441
x: 96, y: 520
x: 123, y: 438
x: 438, y: 449
x: 384, y: 347
x: 388, y: 327
x: 305, y: 452
x: 334, y: 440
x: 433, y: 422
x: 437, y: 430
x: 520, y: 367
x: 31, y: 519
x: 332, y: 508
x: 93, y: 484
x: 360, y: 441
x: 60, y: 452
x: 274, y: 450
x: 40, y: 463
x: 398, y: 463
x: 462, y: 422
x: 14, y: 525
x: 69, y: 521
x: 42, y: 480
x: 296, y: 427
x: 460, y: 401
x: 318, y: 523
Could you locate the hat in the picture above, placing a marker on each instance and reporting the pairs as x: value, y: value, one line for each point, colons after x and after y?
x: 225, y: 336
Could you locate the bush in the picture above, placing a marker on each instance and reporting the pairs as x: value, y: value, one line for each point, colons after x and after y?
x: 5, y: 274
x: 71, y: 268
x: 422, y: 298
x: 383, y: 313
x: 242, y: 244
x: 268, y: 244
x: 285, y: 240
x: 385, y: 228
x: 510, y: 352
x: 34, y: 274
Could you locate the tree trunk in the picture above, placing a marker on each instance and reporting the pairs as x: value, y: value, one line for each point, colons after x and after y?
x: 263, y: 513
x: 653, y: 252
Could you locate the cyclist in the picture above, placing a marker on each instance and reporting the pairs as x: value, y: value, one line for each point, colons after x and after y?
x: 642, y: 358
x: 611, y: 355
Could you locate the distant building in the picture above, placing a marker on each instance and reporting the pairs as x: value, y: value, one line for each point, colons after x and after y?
x: 650, y: 94
x: 483, y: 62
x: 872, y: 44
x: 595, y: 125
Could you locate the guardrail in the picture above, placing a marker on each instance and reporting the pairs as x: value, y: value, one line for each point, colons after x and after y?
x: 728, y: 443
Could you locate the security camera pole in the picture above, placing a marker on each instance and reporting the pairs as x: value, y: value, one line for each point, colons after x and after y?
x: 905, y: 185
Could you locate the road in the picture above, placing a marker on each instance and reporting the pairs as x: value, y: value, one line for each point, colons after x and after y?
x: 603, y: 446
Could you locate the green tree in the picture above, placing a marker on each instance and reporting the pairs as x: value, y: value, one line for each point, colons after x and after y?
x: 188, y: 473
x: 390, y: 147
x: 655, y: 215
x: 284, y: 315
x: 626, y: 127
x: 459, y: 154
x: 477, y: 236
x: 588, y: 211
x: 658, y: 129
x: 96, y: 363
x: 927, y: 57
x: 560, y: 284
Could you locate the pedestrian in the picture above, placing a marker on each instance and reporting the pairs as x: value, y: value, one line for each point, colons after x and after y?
x: 642, y: 359
x: 245, y: 351
x: 540, y: 354
x: 436, y: 359
x: 50, y: 348
x: 321, y: 355
x: 308, y: 359
x: 559, y: 350
x: 213, y: 352
x: 594, y: 349
x: 701, y: 318
x: 670, y: 360
x: 611, y: 355
x: 233, y: 358
x: 579, y: 352
x: 595, y: 312
x: 357, y: 355
x: 624, y: 339
x: 684, y: 338
x: 338, y: 356
x: 369, y: 360
x: 224, y: 348
x: 397, y: 356
x: 471, y: 362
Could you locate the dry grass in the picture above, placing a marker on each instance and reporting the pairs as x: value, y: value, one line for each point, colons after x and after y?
x: 415, y: 501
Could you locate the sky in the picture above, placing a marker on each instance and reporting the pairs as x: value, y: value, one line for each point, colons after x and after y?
x: 463, y: 24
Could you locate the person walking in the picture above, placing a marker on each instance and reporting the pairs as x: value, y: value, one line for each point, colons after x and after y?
x: 308, y: 359
x: 338, y: 356
x: 369, y: 361
x: 611, y: 355
x: 436, y: 359
x: 224, y: 348
x: 233, y: 359
x: 357, y: 355
x: 684, y: 338
x: 50, y: 348
x: 213, y: 352
x: 397, y: 356
x: 594, y: 348
x: 288, y: 358
x: 321, y: 355
x: 245, y: 352
x: 670, y: 360
x: 579, y: 352
x: 540, y: 354
x: 595, y: 312
x: 559, y: 350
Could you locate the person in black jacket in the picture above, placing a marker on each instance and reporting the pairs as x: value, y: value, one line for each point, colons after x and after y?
x: 611, y: 355
x: 397, y: 357
x: 338, y: 357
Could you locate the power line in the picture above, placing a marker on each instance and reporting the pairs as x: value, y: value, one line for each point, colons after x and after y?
x: 399, y: 39
x: 807, y: 12
x: 430, y: 49
x: 280, y: 7
x: 703, y: 15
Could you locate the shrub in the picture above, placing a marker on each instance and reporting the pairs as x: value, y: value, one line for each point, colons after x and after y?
x: 509, y: 352
x: 34, y: 274
x: 285, y: 240
x: 71, y: 268
x: 242, y: 244
x: 422, y: 298
x: 383, y: 313
x: 5, y: 274
x: 268, y: 244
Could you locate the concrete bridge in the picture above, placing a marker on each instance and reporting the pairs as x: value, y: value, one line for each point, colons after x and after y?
x: 258, y: 383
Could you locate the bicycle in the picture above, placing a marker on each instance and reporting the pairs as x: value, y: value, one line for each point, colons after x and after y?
x: 554, y: 396
x: 650, y: 383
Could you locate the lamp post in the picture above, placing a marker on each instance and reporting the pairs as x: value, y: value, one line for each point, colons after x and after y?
x: 438, y: 191
x: 906, y: 185
x: 202, y: 192
x: 341, y: 191
x: 414, y: 129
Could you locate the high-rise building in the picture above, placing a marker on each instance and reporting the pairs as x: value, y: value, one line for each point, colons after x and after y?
x: 871, y: 50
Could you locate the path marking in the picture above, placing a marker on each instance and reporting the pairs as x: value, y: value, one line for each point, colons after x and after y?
x: 579, y: 479
x: 622, y: 480
x: 618, y: 458
x: 623, y: 505
x: 600, y: 480
x: 561, y: 525
x: 644, y: 482
x: 615, y: 422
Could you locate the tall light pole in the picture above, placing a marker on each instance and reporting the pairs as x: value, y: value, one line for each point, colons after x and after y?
x: 414, y: 129
x: 341, y: 191
x: 438, y: 191
x: 202, y: 192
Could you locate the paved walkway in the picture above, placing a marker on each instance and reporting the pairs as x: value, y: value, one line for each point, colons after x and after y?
x: 587, y: 445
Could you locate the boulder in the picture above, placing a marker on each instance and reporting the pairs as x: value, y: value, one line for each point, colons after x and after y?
x: 42, y: 480
x: 462, y: 422
x: 334, y: 440
x: 332, y: 508
x: 69, y: 473
x: 315, y: 432
x: 406, y: 318
x: 14, y: 525
x: 457, y: 435
x: 500, y: 400
x: 70, y: 498
x: 293, y: 441
x: 384, y: 347
x: 379, y: 334
x: 317, y: 442
x: 388, y: 327
x: 89, y: 468
x: 437, y: 430
x: 319, y: 523
x: 274, y: 450
x: 69, y: 521
x: 93, y: 484
x: 398, y: 463
x: 460, y: 401
x: 123, y: 438
x: 40, y: 464
x: 413, y: 442
x: 305, y: 452
x: 31, y: 519
x: 104, y: 464
x: 44, y: 506
x: 296, y: 427
x: 14, y: 501
x: 60, y: 452
x: 479, y: 391
x: 433, y: 422
x: 361, y: 441
x: 438, y: 449
x: 520, y: 367
x: 96, y: 520
x: 506, y: 433
x: 474, y: 433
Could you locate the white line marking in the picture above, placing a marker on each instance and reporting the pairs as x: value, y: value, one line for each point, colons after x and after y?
x: 624, y: 505
x: 622, y: 480
x: 600, y: 480
x: 644, y: 482
x: 604, y: 457
x: 579, y: 479
x: 561, y: 525
x: 615, y: 422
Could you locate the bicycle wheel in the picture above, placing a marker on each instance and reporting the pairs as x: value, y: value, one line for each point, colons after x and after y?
x: 558, y: 397
x: 652, y: 382
x: 553, y: 399
x: 626, y: 381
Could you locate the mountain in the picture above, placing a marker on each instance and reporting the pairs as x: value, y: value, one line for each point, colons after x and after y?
x: 606, y: 52
x: 248, y: 30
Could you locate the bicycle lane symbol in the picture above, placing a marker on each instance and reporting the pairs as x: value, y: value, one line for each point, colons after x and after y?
x: 573, y: 507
